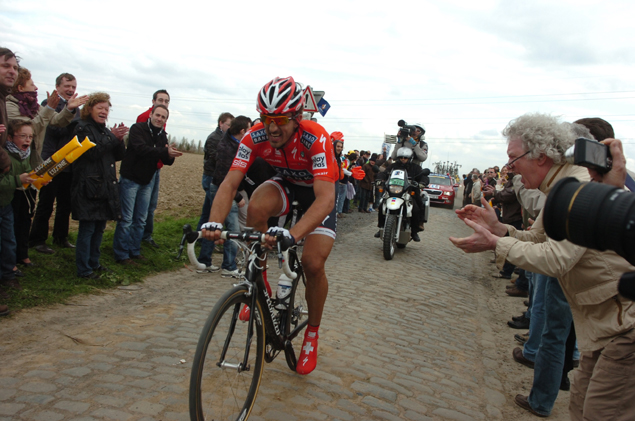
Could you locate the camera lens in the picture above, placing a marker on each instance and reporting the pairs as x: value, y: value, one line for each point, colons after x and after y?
x: 592, y: 215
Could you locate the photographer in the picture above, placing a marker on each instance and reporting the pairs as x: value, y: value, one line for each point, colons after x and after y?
x: 602, y: 387
x: 411, y: 137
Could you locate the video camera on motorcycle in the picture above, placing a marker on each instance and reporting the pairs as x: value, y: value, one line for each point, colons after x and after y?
x: 406, y: 131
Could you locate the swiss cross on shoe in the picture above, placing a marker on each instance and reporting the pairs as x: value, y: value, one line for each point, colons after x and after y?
x: 308, y: 358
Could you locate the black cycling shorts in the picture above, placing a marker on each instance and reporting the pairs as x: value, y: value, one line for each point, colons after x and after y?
x: 305, y: 196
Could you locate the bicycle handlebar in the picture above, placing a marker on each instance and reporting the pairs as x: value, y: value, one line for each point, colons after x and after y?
x: 283, y: 256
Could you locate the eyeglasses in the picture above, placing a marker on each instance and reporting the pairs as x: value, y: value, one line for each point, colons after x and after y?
x: 23, y: 136
x: 280, y: 120
x: 510, y: 164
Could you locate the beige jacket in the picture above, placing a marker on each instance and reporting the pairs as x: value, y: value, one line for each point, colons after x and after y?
x: 44, y: 117
x: 588, y: 277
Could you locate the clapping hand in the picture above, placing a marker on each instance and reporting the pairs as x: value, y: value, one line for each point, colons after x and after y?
x: 53, y: 99
x: 76, y: 101
x: 120, y: 130
x: 173, y: 152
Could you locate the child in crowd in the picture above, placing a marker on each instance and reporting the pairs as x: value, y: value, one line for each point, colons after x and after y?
x: 20, y: 136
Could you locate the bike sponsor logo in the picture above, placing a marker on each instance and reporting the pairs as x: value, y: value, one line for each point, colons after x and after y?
x: 308, y: 139
x: 239, y: 163
x: 259, y: 136
x: 244, y: 152
x: 319, y: 161
x: 272, y: 312
x: 294, y: 174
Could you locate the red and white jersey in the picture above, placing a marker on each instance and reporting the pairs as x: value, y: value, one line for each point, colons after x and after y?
x: 307, y: 156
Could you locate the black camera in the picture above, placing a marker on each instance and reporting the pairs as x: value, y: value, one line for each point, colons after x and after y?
x: 406, y: 131
x: 590, y: 154
x: 596, y: 216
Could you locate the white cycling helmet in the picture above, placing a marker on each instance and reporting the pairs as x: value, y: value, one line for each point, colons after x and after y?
x: 404, y: 153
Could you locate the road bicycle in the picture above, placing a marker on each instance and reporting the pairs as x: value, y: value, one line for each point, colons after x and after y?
x: 230, y: 355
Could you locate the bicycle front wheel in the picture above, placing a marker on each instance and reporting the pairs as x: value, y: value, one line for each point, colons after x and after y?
x: 222, y: 386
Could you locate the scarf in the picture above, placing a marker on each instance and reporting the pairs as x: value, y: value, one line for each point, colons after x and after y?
x: 27, y: 103
x: 11, y: 147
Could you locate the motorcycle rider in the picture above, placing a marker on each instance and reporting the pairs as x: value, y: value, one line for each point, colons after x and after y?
x: 406, y: 162
x: 415, y: 143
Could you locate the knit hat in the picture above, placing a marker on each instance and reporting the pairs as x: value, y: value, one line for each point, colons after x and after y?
x: 373, y: 157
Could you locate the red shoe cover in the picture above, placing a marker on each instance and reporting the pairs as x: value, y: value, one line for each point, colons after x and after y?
x: 244, y: 314
x: 308, y: 356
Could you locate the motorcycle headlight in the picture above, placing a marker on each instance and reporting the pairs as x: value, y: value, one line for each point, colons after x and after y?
x: 395, y: 189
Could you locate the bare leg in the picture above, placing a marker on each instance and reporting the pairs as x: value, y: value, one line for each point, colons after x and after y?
x: 316, y: 250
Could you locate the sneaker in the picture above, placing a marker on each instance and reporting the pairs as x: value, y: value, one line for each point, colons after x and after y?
x: 152, y: 243
x: 243, y: 316
x: 226, y: 273
x: 308, y: 355
x: 521, y: 337
x: 209, y: 269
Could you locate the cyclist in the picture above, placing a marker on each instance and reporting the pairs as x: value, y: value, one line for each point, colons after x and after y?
x: 416, y: 143
x: 302, y: 154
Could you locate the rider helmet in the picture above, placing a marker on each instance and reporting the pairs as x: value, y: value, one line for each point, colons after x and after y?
x: 337, y: 136
x: 404, y: 153
x: 423, y: 130
x: 280, y: 96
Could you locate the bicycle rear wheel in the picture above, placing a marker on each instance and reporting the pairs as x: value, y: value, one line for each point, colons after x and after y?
x: 298, y: 312
x: 222, y: 388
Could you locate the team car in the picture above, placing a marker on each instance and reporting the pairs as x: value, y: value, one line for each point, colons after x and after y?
x: 441, y: 190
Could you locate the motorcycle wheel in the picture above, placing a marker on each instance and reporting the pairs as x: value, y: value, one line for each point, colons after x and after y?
x: 389, y: 236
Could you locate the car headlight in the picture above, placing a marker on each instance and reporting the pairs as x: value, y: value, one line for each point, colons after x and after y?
x: 395, y: 189
x: 447, y: 193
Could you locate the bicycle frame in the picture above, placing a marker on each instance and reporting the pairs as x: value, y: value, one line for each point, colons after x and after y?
x: 277, y: 330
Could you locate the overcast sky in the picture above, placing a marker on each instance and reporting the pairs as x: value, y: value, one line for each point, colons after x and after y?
x: 462, y: 68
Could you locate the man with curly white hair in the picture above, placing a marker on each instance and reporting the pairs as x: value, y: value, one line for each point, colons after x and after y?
x: 602, y: 388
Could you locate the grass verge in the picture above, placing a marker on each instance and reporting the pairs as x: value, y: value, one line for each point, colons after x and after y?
x: 54, y: 278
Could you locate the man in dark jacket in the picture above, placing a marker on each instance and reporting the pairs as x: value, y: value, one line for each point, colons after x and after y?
x: 59, y: 189
x: 209, y: 164
x: 512, y: 215
x: 224, y: 156
x: 147, y: 144
x: 160, y: 97
x: 8, y: 75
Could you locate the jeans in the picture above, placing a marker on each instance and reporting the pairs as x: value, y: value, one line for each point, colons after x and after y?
x: 549, y: 361
x: 87, y: 252
x: 207, y: 204
x: 7, y: 242
x: 341, y: 196
x: 229, y: 247
x: 154, y: 201
x: 59, y: 189
x: 135, y: 200
x: 537, y: 323
x: 364, y: 197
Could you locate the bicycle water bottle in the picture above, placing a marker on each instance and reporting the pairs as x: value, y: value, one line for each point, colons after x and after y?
x: 284, y: 289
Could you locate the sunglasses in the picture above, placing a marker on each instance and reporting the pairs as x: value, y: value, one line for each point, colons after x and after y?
x: 280, y: 120
x: 510, y: 164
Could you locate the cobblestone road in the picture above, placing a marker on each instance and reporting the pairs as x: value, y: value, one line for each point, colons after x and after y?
x: 409, y: 339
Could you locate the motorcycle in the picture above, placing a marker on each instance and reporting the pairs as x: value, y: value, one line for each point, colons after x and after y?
x: 397, y: 204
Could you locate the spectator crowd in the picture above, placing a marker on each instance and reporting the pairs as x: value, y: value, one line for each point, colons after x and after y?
x: 573, y: 316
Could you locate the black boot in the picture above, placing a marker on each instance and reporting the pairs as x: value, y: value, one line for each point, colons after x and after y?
x: 415, y: 237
